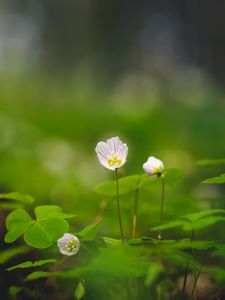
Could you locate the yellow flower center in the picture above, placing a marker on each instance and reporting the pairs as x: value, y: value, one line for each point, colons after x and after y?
x: 71, y: 245
x: 157, y: 171
x: 114, y: 161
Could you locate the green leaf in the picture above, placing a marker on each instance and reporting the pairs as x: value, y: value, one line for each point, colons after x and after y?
x: 45, y: 212
x: 172, y: 176
x: 214, y: 180
x: 203, y: 223
x: 69, y: 273
x: 89, y: 233
x: 8, y: 254
x: 42, y: 233
x: 204, y: 213
x: 106, y: 189
x: 17, y: 197
x: 30, y: 264
x: 37, y: 275
x: 188, y: 244
x: 210, y: 162
x: 170, y: 225
x: 126, y: 184
x: 111, y: 242
x: 14, y: 290
x: 80, y: 290
x: 17, y: 222
x: 195, y: 221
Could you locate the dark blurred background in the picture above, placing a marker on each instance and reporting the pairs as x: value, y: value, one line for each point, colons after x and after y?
x: 110, y: 39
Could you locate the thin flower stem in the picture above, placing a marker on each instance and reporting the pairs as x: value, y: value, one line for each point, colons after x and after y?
x: 197, y: 277
x: 187, y: 267
x: 161, y: 206
x: 195, y: 282
x: 118, y: 205
x: 134, y: 219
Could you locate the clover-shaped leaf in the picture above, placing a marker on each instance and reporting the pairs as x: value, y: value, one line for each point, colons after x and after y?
x: 40, y: 233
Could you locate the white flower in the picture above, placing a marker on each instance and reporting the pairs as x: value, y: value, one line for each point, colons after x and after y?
x: 69, y: 244
x: 112, y: 154
x: 153, y: 167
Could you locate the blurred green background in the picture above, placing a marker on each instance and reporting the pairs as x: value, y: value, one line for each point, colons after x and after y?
x: 77, y: 72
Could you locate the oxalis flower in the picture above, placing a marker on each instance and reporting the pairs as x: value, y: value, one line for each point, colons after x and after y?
x: 112, y: 154
x: 154, y: 167
x: 69, y: 244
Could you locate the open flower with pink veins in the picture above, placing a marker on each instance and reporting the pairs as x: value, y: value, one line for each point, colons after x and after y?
x: 112, y: 154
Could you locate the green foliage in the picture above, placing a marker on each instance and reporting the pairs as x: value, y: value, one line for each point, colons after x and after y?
x: 119, y: 261
x: 127, y: 184
x: 131, y: 183
x: 195, y: 221
x: 172, y: 176
x: 213, y: 180
x: 40, y: 233
x: 30, y: 264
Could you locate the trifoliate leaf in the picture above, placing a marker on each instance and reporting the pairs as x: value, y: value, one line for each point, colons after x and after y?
x: 40, y: 233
